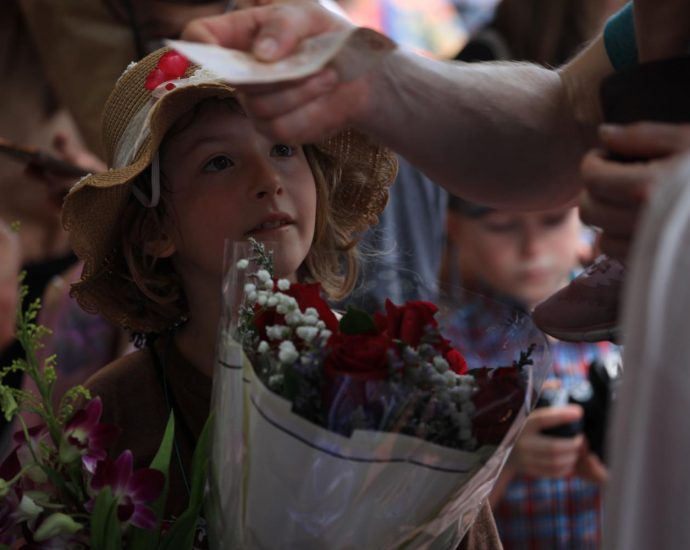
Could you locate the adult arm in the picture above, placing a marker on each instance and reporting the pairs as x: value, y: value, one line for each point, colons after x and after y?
x: 504, y: 134
x: 662, y: 28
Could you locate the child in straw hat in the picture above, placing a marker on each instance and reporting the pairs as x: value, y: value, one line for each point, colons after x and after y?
x: 188, y: 172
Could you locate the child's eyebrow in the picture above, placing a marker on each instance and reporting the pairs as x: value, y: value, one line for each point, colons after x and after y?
x: 189, y: 145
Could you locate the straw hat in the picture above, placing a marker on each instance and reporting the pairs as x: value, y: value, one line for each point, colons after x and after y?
x: 137, y: 115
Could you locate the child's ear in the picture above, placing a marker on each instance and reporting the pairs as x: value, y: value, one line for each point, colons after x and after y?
x: 161, y: 248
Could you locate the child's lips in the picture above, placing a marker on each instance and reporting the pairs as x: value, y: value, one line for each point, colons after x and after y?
x: 270, y: 226
x: 536, y: 275
x: 263, y: 232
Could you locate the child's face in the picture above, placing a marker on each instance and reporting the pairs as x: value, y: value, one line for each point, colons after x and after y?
x: 226, y: 181
x: 524, y: 255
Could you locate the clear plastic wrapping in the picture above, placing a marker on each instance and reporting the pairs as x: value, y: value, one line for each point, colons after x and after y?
x: 366, y: 459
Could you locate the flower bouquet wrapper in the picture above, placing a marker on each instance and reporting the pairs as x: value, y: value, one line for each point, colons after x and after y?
x: 280, y: 479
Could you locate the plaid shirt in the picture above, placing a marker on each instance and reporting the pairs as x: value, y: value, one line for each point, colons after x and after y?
x: 549, y: 514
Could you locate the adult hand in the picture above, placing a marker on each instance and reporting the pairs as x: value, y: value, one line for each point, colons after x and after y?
x: 662, y: 28
x: 270, y: 32
x: 300, y: 111
x: 72, y: 153
x: 539, y: 455
x: 616, y: 192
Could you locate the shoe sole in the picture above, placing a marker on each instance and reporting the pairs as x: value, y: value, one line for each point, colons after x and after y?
x: 592, y: 335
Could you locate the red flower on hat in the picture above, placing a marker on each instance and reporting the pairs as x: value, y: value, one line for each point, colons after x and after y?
x: 171, y: 66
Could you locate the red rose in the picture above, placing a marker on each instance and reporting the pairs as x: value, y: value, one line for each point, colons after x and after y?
x: 360, y: 356
x: 409, y: 321
x: 500, y: 395
x: 354, y: 363
x: 309, y: 295
x: 456, y: 361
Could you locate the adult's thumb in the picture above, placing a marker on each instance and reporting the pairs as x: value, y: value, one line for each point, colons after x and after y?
x: 285, y: 26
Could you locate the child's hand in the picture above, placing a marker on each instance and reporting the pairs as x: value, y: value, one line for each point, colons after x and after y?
x: 539, y: 455
x: 590, y: 467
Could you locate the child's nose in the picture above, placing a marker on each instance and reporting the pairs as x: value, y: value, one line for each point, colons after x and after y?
x: 532, y: 242
x: 268, y: 181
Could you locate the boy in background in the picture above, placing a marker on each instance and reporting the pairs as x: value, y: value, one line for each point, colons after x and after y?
x: 549, y: 492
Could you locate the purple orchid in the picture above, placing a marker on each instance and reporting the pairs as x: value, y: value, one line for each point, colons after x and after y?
x: 132, y: 490
x: 84, y: 437
x: 9, y: 522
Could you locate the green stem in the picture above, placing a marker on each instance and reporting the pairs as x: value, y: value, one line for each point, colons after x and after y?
x: 26, y: 336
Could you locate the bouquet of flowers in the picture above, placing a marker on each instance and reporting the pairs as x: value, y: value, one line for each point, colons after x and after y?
x: 353, y: 431
x: 58, y: 487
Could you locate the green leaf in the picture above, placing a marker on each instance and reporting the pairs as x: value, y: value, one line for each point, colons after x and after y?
x: 105, y: 529
x: 145, y: 539
x: 181, y: 535
x: 356, y: 321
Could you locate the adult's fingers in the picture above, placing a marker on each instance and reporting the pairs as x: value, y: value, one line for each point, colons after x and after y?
x: 236, y: 30
x: 268, y: 103
x: 286, y: 25
x: 646, y: 140
x: 614, y: 219
x: 71, y: 151
x: 616, y: 182
x: 270, y: 32
x: 315, y: 120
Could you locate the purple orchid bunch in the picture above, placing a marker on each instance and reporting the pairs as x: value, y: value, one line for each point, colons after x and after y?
x: 58, y: 486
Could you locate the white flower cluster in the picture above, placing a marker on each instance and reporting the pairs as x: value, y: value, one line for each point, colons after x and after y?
x: 448, y: 387
x: 305, y: 325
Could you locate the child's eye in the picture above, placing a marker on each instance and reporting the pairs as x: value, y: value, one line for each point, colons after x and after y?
x: 501, y: 227
x: 555, y: 220
x: 280, y: 150
x: 219, y: 163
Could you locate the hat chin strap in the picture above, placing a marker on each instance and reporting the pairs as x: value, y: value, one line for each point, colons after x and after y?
x: 155, y: 185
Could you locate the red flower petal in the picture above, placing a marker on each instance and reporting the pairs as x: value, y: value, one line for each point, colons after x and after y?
x: 456, y: 361
x: 173, y: 65
x: 156, y: 78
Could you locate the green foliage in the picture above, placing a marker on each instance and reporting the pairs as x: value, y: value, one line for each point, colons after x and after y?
x: 356, y: 321
x: 105, y: 529
x: 181, y: 535
x: 69, y: 481
x: 143, y: 539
